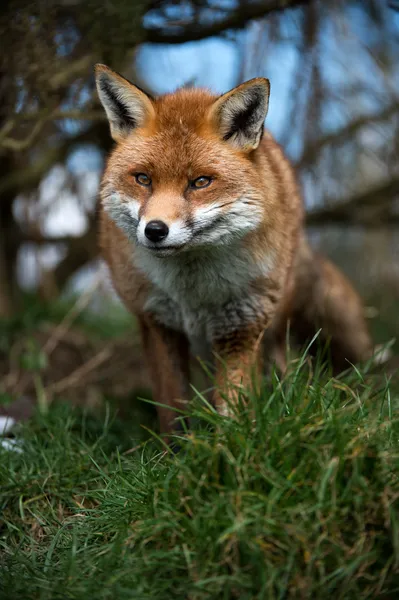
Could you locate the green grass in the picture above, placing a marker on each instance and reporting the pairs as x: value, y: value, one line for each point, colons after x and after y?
x: 298, y: 498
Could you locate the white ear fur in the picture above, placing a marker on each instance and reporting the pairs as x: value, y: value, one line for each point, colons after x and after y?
x: 239, y: 115
x: 126, y: 105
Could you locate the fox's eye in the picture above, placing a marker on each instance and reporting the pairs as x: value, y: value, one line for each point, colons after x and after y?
x: 201, y: 182
x: 143, y: 179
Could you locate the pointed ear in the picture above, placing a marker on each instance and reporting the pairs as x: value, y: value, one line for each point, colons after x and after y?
x: 239, y: 115
x: 127, y: 106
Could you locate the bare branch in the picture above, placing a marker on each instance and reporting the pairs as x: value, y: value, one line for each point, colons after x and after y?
x: 72, y: 71
x: 341, y: 135
x: 19, y: 145
x: 41, y: 118
x: 236, y: 20
x: 368, y: 208
x: 47, y: 115
x: 27, y: 178
x: 41, y: 240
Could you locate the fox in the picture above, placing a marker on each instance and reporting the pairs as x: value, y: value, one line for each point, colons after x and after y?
x: 202, y: 226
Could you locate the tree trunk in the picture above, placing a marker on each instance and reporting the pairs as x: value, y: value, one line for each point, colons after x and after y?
x: 5, y: 289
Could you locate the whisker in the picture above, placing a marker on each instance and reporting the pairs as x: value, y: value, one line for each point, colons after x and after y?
x: 217, y: 207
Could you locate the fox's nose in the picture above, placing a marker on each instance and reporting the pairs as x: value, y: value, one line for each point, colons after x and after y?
x: 156, y: 231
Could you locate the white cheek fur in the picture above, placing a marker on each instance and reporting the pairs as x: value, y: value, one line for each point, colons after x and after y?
x: 222, y: 223
x: 134, y: 208
x: 124, y: 211
x: 140, y: 231
x: 204, y: 215
x: 179, y: 234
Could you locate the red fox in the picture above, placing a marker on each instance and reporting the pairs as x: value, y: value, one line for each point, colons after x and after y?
x: 202, y: 226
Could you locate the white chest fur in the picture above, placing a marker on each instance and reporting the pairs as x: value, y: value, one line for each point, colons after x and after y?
x: 204, y: 294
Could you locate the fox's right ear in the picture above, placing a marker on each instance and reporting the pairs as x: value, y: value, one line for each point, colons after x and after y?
x: 127, y: 106
x: 238, y: 116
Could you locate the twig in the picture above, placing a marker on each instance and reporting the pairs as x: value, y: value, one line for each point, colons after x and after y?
x: 78, y: 374
x: 14, y: 377
x: 69, y: 318
x: 19, y: 145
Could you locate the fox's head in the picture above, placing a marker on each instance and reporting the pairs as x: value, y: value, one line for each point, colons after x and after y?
x: 183, y: 172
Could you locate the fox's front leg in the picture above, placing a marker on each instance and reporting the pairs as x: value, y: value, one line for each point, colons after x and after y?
x: 239, y: 334
x: 238, y: 366
x: 167, y: 355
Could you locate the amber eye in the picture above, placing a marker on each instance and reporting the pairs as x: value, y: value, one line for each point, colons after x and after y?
x: 143, y: 179
x: 201, y: 182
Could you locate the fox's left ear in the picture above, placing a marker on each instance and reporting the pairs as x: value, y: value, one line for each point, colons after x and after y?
x: 127, y: 106
x: 239, y: 115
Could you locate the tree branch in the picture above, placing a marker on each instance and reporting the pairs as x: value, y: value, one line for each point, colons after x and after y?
x: 341, y: 135
x: 18, y: 145
x: 41, y: 240
x: 367, y: 208
x: 75, y: 69
x: 236, y: 20
x: 22, y: 180
x: 55, y: 115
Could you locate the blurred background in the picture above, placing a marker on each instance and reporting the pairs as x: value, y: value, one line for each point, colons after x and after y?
x: 334, y: 71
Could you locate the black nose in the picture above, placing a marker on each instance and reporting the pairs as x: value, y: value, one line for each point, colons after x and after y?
x: 156, y: 231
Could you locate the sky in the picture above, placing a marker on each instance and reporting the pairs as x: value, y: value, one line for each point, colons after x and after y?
x: 214, y: 63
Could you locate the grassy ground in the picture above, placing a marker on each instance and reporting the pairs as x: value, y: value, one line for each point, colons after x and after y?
x: 296, y: 498
x: 301, y: 502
